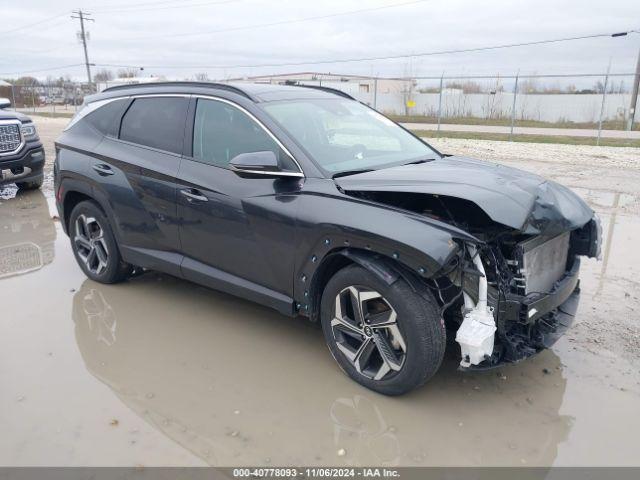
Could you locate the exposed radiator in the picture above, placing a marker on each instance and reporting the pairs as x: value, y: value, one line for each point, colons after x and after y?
x: 543, y: 261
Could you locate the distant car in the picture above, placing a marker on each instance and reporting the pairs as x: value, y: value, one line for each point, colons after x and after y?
x: 311, y: 203
x: 21, y: 151
x: 71, y: 100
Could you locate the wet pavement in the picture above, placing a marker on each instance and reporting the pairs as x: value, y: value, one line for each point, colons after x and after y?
x: 159, y: 371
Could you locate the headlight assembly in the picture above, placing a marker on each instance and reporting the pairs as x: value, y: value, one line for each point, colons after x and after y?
x: 29, y: 131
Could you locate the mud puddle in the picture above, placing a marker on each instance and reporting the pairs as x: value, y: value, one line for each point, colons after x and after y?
x: 159, y: 371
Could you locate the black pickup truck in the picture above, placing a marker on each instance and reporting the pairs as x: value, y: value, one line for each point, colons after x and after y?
x: 21, y: 151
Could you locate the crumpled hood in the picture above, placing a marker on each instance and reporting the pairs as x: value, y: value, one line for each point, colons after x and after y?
x: 512, y: 197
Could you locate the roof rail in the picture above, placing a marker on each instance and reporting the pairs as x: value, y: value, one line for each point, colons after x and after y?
x: 220, y: 86
x: 326, y: 89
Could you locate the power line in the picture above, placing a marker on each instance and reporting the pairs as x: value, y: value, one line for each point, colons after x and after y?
x: 390, y: 57
x: 278, y: 23
x: 441, y: 52
x: 181, y: 6
x: 22, y: 27
x: 48, y: 69
x: 46, y: 50
x: 118, y: 5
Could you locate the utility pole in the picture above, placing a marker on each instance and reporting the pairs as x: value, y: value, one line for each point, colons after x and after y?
x: 83, y: 16
x: 634, y: 95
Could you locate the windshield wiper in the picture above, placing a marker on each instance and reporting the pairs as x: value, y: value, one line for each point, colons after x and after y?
x: 351, y: 172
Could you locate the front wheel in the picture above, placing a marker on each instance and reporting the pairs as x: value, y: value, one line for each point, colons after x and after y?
x: 386, y: 337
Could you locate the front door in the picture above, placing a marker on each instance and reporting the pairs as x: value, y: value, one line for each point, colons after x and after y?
x: 233, y: 230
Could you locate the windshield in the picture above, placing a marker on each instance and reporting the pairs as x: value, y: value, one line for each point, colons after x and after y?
x: 343, y: 135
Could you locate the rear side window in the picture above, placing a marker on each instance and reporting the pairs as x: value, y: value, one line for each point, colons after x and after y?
x: 221, y: 132
x: 106, y: 119
x: 156, y: 122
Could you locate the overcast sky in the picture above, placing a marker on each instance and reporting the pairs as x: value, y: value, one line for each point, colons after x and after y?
x: 188, y: 35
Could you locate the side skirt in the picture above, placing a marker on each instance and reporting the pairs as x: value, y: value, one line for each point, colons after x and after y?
x: 184, y: 267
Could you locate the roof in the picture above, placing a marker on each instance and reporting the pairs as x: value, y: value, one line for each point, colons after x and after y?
x: 4, y: 84
x: 255, y: 92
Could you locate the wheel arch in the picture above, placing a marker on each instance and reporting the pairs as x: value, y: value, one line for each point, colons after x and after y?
x: 75, y: 191
x: 388, y: 269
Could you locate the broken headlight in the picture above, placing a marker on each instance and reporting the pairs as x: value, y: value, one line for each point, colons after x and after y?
x: 588, y: 239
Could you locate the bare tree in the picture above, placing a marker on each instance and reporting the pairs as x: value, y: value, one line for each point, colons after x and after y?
x: 598, y: 87
x: 530, y: 85
x: 466, y: 87
x: 201, y: 77
x: 408, y: 87
x: 103, y: 75
x: 127, y: 73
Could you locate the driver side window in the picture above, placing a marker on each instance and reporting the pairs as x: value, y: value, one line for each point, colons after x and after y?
x: 222, y: 131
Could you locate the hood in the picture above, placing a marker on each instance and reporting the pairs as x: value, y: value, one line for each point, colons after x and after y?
x: 511, y: 197
x: 11, y: 115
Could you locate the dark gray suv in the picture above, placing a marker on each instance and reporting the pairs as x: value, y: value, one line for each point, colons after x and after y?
x: 309, y: 202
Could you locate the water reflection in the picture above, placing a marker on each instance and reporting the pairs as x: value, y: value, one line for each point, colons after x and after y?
x: 360, y: 427
x: 27, y: 234
x: 236, y: 383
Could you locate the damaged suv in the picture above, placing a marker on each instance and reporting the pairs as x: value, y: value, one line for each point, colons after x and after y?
x: 309, y: 202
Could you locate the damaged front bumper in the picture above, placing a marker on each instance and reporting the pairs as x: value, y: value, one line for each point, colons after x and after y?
x: 526, y: 325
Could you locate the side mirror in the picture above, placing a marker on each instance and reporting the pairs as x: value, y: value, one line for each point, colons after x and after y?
x: 5, y: 103
x: 259, y: 164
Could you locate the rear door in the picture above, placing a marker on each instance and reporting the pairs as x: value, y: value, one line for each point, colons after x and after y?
x: 233, y: 229
x: 138, y: 168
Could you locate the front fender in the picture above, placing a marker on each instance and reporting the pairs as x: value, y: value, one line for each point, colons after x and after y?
x: 330, y: 224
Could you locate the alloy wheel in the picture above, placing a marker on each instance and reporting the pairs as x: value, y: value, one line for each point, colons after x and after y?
x: 365, y: 330
x: 90, y: 244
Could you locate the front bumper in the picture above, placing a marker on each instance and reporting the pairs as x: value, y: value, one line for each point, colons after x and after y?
x: 528, y: 325
x: 26, y: 165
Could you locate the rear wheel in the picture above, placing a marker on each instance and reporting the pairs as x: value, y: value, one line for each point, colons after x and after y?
x: 385, y: 337
x: 94, y: 244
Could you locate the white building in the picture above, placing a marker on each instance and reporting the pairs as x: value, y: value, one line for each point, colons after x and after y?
x: 352, y: 84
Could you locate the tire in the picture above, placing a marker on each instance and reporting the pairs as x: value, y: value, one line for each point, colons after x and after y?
x: 94, y: 244
x: 417, y: 338
x: 32, y: 184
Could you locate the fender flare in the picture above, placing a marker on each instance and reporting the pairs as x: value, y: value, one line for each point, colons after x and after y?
x: 387, y: 269
x: 77, y: 185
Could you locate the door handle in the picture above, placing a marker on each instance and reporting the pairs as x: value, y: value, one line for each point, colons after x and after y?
x: 103, y: 169
x: 194, y: 195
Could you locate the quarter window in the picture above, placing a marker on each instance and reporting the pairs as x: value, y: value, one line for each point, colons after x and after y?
x: 156, y: 122
x: 222, y: 131
x: 106, y: 119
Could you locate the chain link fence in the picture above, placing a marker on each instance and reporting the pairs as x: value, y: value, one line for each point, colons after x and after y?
x: 592, y: 103
x: 51, y: 99
x: 589, y: 103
